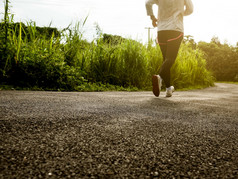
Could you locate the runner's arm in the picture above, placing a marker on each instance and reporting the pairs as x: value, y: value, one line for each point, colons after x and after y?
x: 149, y: 4
x: 189, y: 7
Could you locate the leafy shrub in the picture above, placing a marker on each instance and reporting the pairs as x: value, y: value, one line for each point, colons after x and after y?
x: 67, y: 62
x: 222, y: 60
x: 190, y: 69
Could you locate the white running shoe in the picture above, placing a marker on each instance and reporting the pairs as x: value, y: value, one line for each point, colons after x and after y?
x: 169, y: 91
x: 157, y: 83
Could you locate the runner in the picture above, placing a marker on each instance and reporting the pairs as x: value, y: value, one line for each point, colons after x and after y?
x: 169, y: 36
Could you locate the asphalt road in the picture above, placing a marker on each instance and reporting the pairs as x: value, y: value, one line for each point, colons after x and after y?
x: 194, y: 134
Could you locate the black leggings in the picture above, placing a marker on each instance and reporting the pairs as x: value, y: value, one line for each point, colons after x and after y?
x: 169, y: 42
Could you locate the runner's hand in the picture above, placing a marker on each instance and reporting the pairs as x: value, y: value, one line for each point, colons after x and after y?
x: 154, y: 21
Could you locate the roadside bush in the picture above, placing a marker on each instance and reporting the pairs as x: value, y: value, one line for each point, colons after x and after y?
x: 38, y: 62
x: 190, y: 69
x: 67, y: 62
x: 222, y: 60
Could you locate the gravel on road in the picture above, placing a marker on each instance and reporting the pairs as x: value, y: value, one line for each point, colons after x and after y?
x: 194, y: 134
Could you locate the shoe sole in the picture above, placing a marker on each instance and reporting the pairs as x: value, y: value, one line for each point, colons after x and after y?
x: 170, y: 95
x: 155, y: 82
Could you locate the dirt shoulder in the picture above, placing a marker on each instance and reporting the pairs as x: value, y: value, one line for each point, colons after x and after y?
x: 119, y: 134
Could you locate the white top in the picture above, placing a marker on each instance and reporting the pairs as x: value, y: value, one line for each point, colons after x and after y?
x: 170, y: 13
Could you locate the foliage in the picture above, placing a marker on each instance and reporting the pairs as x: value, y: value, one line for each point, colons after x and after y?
x: 222, y: 59
x: 112, y: 39
x: 45, y: 58
x: 27, y: 29
x: 67, y: 62
x: 190, y: 69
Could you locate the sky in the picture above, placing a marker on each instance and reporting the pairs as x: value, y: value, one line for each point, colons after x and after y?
x: 128, y: 18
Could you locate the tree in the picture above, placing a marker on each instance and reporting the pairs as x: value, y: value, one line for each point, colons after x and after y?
x: 189, y: 39
x: 222, y: 59
x: 215, y: 40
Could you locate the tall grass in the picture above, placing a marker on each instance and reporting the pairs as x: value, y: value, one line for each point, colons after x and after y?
x: 68, y: 62
x: 190, y: 70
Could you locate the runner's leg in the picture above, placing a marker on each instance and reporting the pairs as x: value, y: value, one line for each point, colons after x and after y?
x: 172, y: 45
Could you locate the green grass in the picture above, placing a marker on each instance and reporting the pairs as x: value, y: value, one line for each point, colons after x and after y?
x: 69, y: 63
x: 229, y: 82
